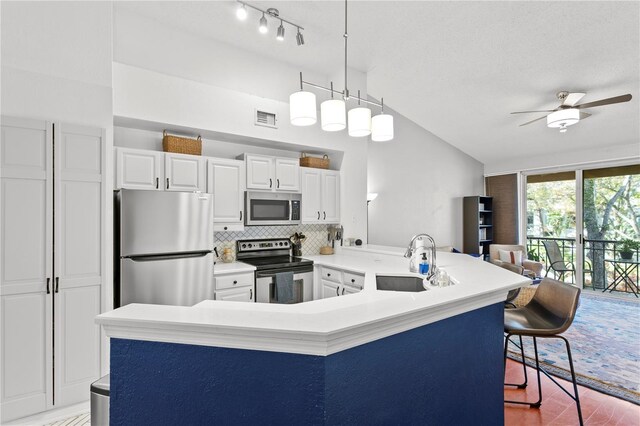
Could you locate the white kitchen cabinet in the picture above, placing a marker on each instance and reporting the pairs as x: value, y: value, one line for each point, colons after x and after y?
x: 153, y: 170
x: 336, y: 282
x: 226, y: 181
x: 320, y: 195
x: 272, y: 174
x: 48, y: 321
x: 139, y: 169
x: 242, y: 294
x: 238, y: 287
x: 184, y: 172
x: 287, y: 174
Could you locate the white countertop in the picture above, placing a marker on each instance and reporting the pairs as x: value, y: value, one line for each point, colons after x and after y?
x: 221, y: 268
x: 325, y: 326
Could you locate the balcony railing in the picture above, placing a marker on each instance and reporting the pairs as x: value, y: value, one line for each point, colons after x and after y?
x: 598, y: 274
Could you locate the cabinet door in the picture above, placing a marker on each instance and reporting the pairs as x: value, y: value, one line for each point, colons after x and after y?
x: 26, y: 233
x: 311, y: 184
x: 330, y: 289
x: 78, y: 260
x: 287, y: 174
x: 139, y: 169
x: 226, y: 181
x: 242, y: 294
x: 347, y: 289
x: 331, y: 196
x: 259, y: 172
x: 184, y: 173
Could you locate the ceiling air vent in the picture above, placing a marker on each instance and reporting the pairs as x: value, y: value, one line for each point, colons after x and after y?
x: 266, y: 119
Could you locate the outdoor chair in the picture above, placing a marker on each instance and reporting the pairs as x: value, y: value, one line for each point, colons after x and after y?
x: 557, y: 262
x: 532, y: 268
x: 548, y: 315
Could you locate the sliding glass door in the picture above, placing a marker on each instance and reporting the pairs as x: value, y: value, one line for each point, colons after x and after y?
x: 577, y: 223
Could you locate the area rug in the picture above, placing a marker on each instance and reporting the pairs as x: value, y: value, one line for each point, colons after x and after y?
x: 605, y: 344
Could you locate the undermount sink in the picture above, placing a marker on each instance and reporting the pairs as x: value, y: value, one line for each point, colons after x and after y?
x: 391, y: 283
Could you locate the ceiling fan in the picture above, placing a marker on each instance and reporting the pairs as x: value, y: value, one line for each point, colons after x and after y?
x: 568, y: 113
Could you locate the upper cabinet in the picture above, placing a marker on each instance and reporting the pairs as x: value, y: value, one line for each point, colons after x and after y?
x: 272, y: 174
x: 153, y: 170
x: 226, y: 180
x: 320, y: 195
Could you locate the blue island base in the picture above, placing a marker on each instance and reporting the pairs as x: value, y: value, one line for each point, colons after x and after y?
x: 445, y: 373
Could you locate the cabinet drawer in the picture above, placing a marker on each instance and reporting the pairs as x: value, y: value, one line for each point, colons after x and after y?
x: 232, y: 281
x: 354, y: 280
x: 330, y: 274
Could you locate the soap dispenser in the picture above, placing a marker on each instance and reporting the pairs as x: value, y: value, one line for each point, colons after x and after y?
x: 424, y: 265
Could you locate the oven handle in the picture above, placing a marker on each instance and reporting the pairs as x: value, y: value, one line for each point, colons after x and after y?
x: 272, y: 273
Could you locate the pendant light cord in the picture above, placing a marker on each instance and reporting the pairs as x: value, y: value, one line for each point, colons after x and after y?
x: 346, y: 36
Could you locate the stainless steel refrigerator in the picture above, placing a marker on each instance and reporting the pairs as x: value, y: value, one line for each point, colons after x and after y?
x: 164, y: 245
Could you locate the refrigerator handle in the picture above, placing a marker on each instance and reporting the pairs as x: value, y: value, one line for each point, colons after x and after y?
x: 152, y: 258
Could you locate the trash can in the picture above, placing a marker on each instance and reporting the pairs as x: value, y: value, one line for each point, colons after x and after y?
x: 100, y: 402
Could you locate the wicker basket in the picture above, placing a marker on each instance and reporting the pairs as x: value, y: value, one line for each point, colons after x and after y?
x: 315, y: 162
x: 181, y: 145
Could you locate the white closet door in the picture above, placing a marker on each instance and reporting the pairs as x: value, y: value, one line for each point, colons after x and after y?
x: 78, y: 262
x: 311, y: 182
x: 25, y: 267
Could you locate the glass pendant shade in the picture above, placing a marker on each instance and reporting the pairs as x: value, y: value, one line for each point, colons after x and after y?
x: 382, y: 128
x: 302, y: 109
x: 359, y: 122
x: 333, y: 115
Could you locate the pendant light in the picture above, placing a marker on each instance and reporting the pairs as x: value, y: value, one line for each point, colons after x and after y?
x: 333, y: 115
x: 382, y: 126
x: 302, y: 107
x: 263, y: 28
x: 359, y: 121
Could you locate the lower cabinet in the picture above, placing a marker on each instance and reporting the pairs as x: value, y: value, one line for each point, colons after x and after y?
x: 336, y: 282
x: 235, y: 287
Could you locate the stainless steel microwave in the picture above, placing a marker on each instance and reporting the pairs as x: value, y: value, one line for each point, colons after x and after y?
x: 271, y: 208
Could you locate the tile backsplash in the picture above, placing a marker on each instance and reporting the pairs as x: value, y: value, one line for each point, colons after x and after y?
x: 316, y: 236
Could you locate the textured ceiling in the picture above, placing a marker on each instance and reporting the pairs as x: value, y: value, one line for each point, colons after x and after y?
x: 458, y: 68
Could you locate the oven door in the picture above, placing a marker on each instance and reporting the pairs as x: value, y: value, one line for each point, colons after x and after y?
x: 267, y: 208
x: 302, y: 284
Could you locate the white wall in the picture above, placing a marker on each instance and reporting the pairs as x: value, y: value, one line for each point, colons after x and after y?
x: 217, y: 91
x: 420, y: 180
x: 56, y: 66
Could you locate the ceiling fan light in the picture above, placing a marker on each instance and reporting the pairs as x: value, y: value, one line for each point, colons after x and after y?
x: 382, y: 128
x: 359, y: 122
x: 563, y: 118
x: 302, y: 109
x: 333, y: 115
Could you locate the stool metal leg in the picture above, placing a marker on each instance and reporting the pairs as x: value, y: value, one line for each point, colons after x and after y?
x: 539, y: 402
x: 524, y: 365
x: 573, y: 379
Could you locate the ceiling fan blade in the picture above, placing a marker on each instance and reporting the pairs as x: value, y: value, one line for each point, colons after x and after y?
x: 573, y: 98
x: 608, y: 101
x: 533, y: 121
x: 584, y: 115
x: 527, y: 112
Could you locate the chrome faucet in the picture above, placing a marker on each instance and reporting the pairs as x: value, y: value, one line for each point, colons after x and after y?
x: 412, y: 252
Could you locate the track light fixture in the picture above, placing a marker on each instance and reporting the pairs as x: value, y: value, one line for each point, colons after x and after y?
x: 333, y: 114
x: 263, y: 24
x: 280, y: 36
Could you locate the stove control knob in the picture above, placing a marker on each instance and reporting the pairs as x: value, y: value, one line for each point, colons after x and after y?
x: 286, y: 243
x: 244, y: 246
x: 249, y: 245
x: 280, y: 242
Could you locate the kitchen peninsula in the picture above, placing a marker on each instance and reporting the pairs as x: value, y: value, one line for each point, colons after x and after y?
x: 375, y: 357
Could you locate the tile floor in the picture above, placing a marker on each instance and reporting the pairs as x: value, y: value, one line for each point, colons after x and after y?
x: 558, y: 409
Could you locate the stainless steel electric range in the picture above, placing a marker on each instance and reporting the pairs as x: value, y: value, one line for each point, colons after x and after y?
x: 271, y: 256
